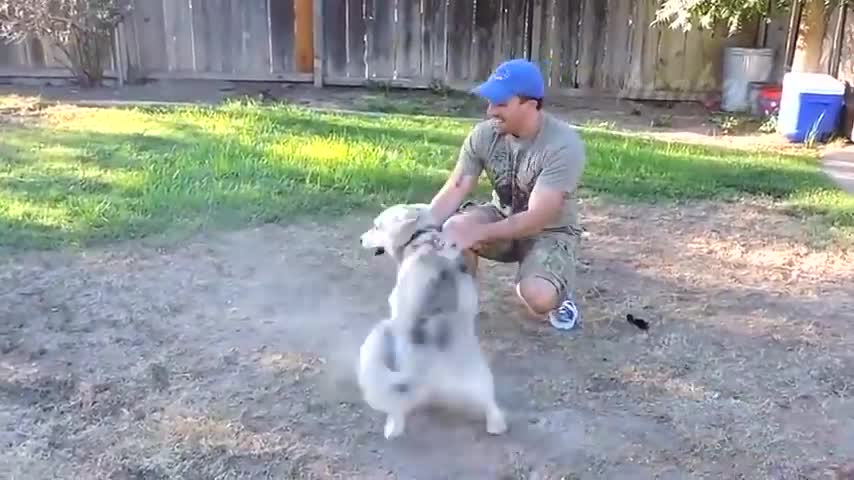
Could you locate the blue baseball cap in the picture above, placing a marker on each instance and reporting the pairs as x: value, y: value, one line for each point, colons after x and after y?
x: 513, y: 77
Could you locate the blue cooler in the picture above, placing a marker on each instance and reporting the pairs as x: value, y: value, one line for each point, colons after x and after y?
x: 810, y: 106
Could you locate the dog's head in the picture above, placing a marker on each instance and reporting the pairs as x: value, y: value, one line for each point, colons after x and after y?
x: 395, y: 226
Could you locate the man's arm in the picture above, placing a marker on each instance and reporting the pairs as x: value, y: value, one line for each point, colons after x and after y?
x: 449, y: 198
x: 545, y: 205
x: 464, y: 177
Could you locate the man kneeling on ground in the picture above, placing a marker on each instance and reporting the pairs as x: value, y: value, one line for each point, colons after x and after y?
x: 534, y: 162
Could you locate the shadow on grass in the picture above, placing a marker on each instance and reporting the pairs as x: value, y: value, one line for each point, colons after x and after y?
x: 109, y: 186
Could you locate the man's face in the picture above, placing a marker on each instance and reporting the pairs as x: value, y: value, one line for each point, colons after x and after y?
x: 509, y: 116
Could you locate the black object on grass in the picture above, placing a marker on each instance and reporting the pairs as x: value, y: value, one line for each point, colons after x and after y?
x: 638, y: 322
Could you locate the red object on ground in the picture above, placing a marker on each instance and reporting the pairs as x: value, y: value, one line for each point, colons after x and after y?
x: 768, y: 99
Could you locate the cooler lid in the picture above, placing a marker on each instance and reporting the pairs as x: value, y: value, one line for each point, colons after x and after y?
x: 820, y: 83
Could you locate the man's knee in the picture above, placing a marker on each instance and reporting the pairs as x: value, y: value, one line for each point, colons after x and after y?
x: 538, y: 294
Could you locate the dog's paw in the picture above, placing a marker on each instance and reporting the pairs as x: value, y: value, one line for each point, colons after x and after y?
x: 393, y: 428
x: 496, y: 424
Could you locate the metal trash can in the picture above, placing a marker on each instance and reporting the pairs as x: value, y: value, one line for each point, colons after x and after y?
x: 741, y: 67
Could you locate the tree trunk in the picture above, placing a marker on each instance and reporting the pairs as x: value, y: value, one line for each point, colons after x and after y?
x: 814, y: 27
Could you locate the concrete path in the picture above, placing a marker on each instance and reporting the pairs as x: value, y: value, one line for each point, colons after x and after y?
x: 839, y: 165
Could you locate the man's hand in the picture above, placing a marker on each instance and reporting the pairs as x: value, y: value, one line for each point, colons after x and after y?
x: 466, y: 235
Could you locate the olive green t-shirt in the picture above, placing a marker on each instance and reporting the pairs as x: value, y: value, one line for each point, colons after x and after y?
x: 554, y: 158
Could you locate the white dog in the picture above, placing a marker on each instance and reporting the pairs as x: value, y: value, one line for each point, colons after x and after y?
x: 428, y: 351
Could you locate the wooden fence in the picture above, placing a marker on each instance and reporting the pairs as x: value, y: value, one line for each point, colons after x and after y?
x: 837, y: 44
x: 596, y: 46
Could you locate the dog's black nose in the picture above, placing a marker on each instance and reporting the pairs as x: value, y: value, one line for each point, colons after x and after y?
x: 379, y: 251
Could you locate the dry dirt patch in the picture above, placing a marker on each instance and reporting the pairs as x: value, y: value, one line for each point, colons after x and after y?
x: 230, y: 356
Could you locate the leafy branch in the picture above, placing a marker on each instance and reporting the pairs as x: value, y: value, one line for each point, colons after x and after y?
x: 733, y: 14
x: 80, y: 29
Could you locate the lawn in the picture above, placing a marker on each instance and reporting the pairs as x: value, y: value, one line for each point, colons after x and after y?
x: 231, y: 355
x: 80, y: 176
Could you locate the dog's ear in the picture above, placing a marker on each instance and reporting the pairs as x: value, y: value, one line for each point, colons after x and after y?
x: 421, y: 218
x: 408, y: 229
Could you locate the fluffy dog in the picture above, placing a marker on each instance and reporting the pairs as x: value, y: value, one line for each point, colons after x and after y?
x: 427, y: 352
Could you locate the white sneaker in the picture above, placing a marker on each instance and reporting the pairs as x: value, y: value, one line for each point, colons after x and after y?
x: 566, y: 316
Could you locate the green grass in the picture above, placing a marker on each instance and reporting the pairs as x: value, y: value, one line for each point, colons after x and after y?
x: 85, y: 176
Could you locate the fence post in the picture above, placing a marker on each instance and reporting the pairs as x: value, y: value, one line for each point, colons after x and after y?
x: 317, y: 29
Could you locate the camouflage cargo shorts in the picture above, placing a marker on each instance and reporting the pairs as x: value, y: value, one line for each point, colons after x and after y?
x: 549, y: 255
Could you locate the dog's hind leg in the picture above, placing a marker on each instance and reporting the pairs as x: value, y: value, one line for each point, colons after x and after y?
x: 395, y: 424
x: 482, y: 391
x: 496, y: 424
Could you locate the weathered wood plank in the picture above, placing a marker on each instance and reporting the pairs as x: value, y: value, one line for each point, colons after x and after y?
x: 846, y: 54
x: 513, y: 28
x: 527, y: 27
x: 237, y: 77
x: 255, y: 47
x: 592, y: 45
x: 428, y: 37
x: 671, y: 60
x: 178, y: 26
x: 407, y: 52
x: 318, y: 35
x: 434, y: 40
x: 551, y: 42
x: 335, y: 41
x: 652, y: 40
x: 698, y: 68
x: 151, y: 35
x: 8, y: 54
x: 460, y: 18
x: 497, y: 33
x: 381, y: 40
x: 304, y: 35
x: 35, y: 53
x: 775, y: 38
x: 282, y: 28
x: 356, y: 28
x: 644, y: 47
x: 567, y: 14
x: 131, y: 49
x: 205, y: 35
x: 486, y: 37
x: 829, y: 40
x: 233, y: 26
x: 537, y: 23
x: 617, y: 47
